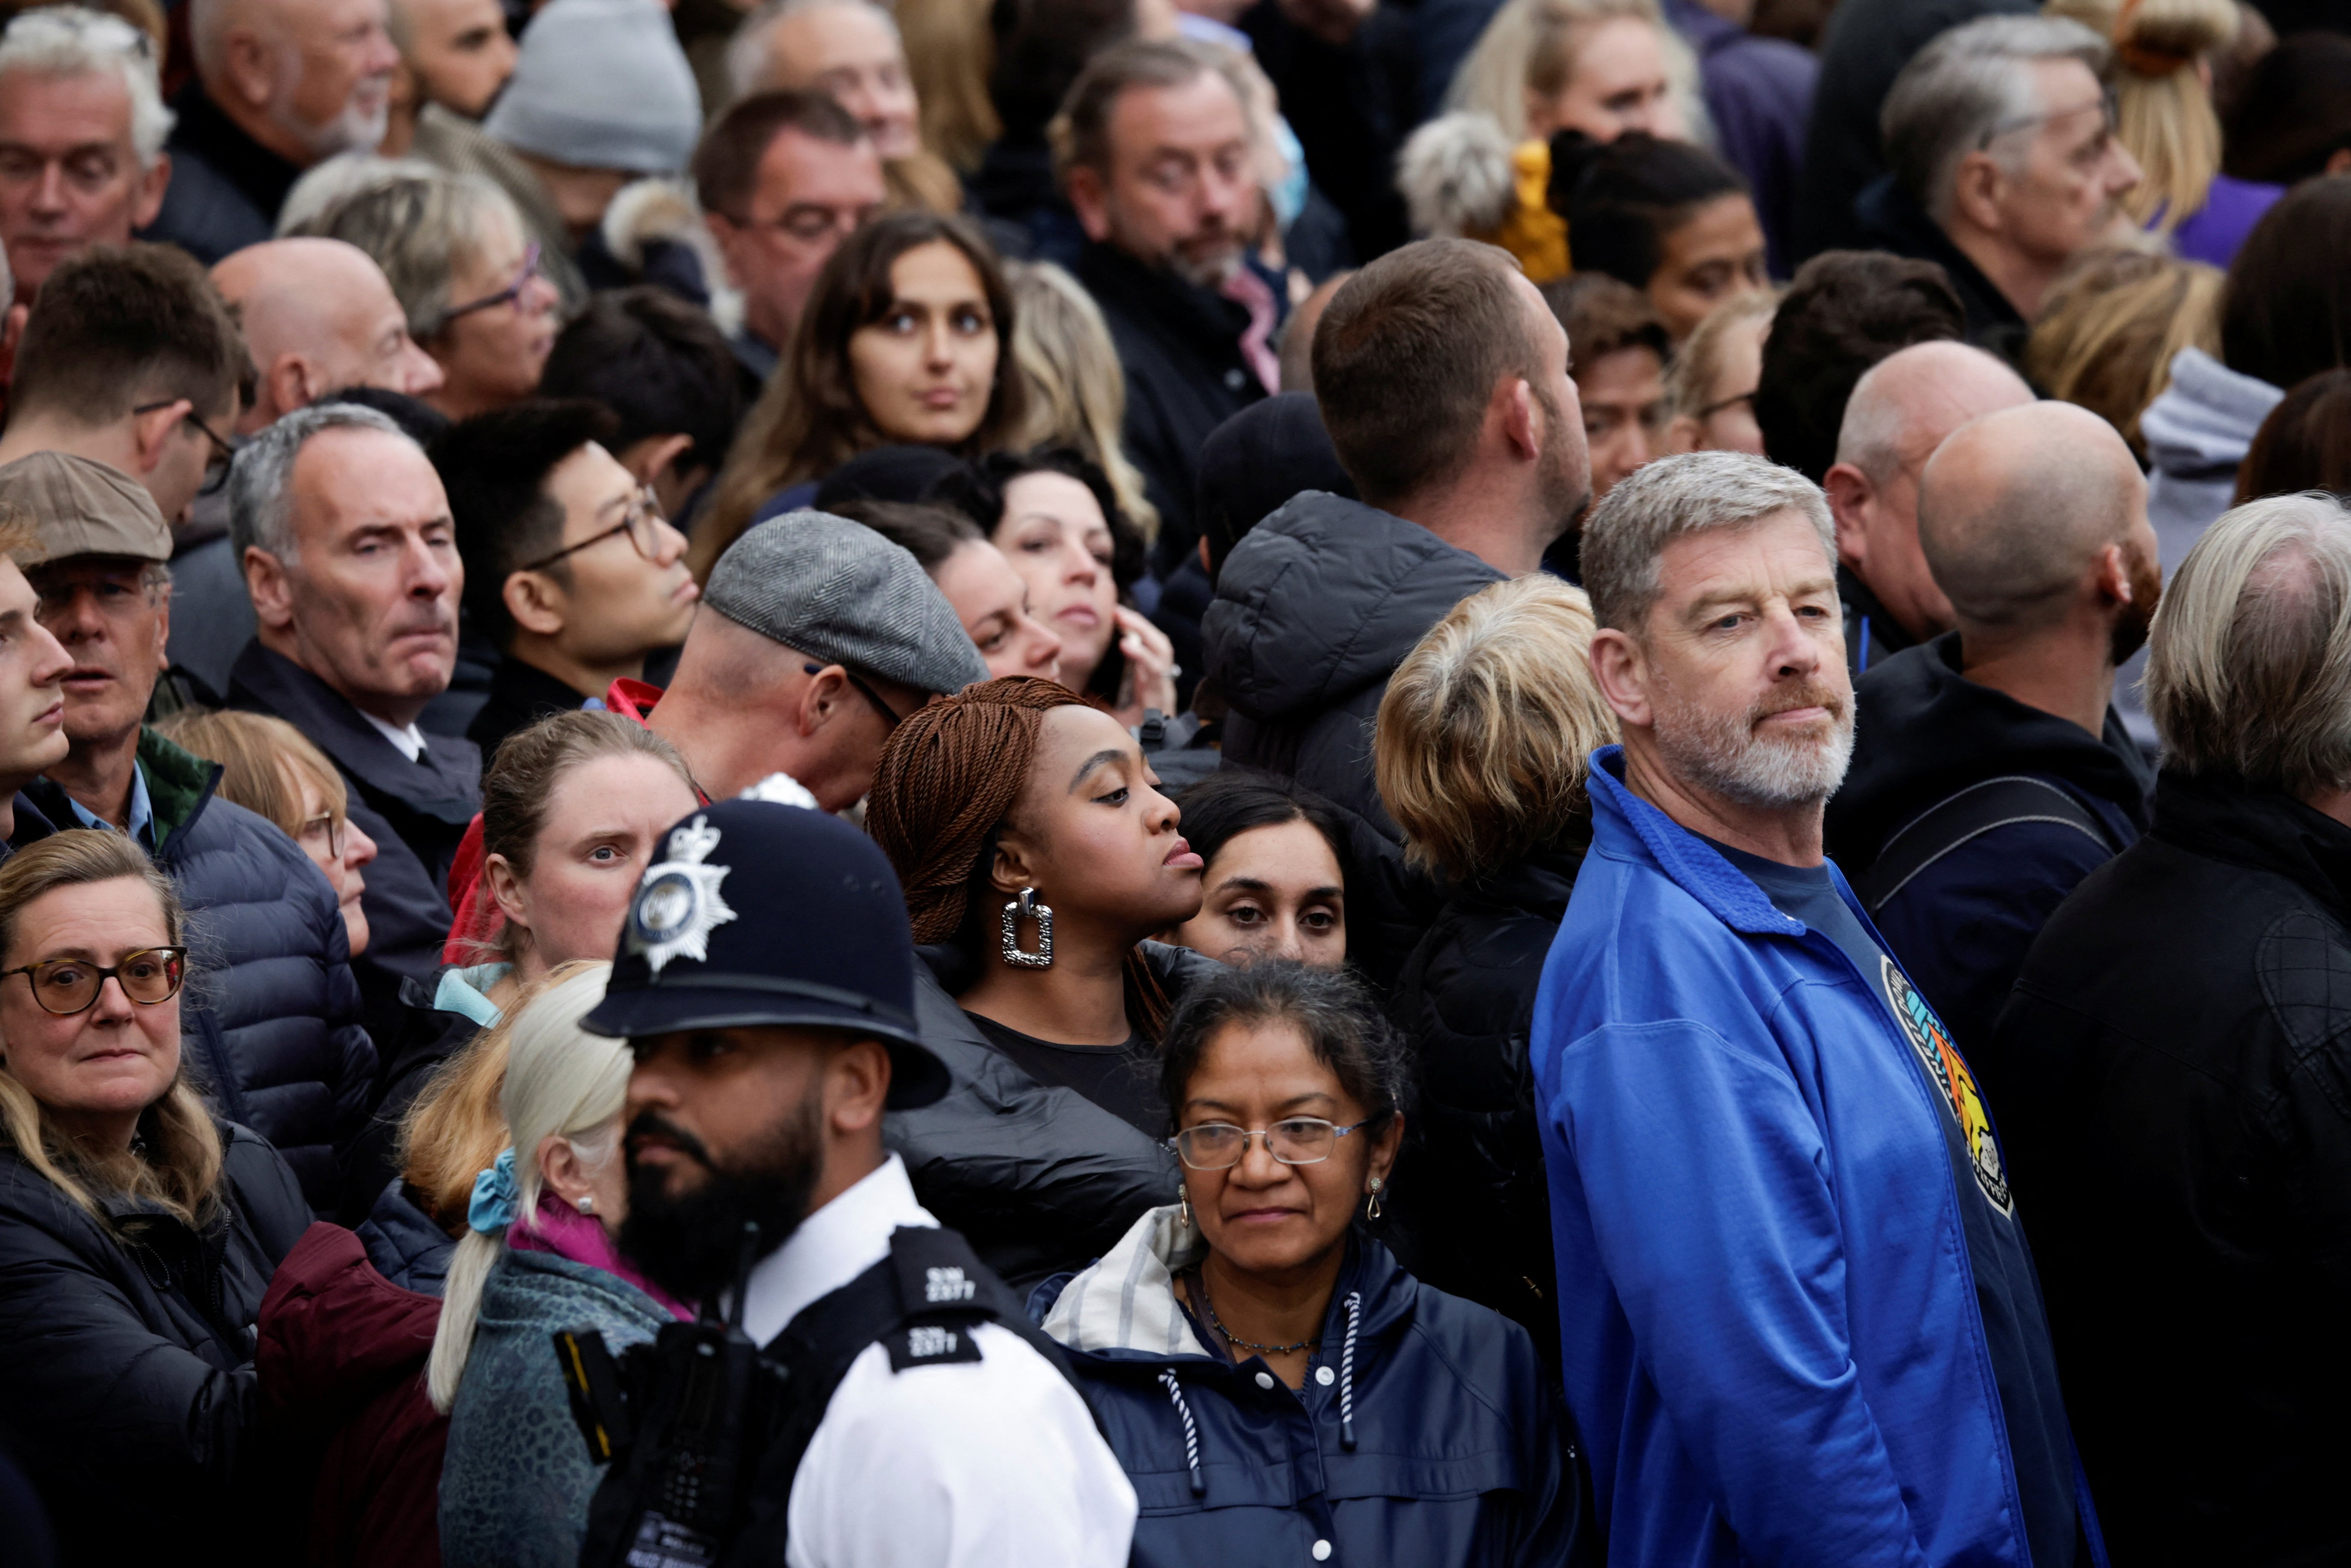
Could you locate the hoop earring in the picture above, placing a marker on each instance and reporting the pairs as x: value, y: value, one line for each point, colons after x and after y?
x: 1026, y: 907
x: 1372, y: 1206
x: 1182, y: 1205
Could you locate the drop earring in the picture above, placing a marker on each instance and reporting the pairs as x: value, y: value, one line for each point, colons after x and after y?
x: 1372, y: 1205
x: 1184, y: 1205
x: 1026, y: 907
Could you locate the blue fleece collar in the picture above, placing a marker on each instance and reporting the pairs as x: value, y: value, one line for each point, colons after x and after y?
x: 1625, y: 825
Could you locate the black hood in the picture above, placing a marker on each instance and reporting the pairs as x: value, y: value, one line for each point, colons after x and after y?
x: 1255, y: 462
x: 1924, y: 732
x: 1324, y: 599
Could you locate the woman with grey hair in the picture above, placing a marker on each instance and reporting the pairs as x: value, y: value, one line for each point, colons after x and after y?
x: 465, y: 270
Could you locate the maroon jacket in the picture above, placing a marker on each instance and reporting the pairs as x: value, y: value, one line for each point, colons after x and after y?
x: 341, y: 1375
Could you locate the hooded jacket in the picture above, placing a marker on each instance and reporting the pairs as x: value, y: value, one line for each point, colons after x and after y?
x: 1470, y: 1189
x: 1427, y: 1437
x: 1039, y: 1179
x: 1923, y: 732
x: 127, y: 1365
x: 271, y: 1017
x: 1314, y: 610
x: 2184, y: 1138
x: 342, y: 1369
x: 2198, y: 431
x: 1769, y: 1320
x: 402, y: 1243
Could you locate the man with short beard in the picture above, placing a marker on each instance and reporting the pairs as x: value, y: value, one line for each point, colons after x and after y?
x: 765, y: 980
x: 1993, y: 773
x: 1798, y: 1320
x: 1153, y: 146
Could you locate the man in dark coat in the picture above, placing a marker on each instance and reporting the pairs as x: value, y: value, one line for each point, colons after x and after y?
x: 2179, y: 1106
x: 279, y: 86
x: 1991, y: 773
x: 349, y: 557
x: 1157, y: 165
x: 274, y: 1020
x: 1443, y: 382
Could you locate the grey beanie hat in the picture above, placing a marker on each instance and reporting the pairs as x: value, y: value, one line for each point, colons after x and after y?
x: 838, y: 592
x: 600, y: 84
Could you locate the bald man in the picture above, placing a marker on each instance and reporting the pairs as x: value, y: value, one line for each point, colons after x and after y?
x: 1900, y: 412
x: 1991, y: 772
x: 318, y: 317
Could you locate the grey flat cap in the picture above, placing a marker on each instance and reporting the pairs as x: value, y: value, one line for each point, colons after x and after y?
x: 838, y: 592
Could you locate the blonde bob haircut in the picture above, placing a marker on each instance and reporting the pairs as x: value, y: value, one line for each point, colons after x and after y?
x: 2249, y: 664
x: 2111, y: 325
x: 180, y: 1169
x: 1488, y: 727
x: 1530, y: 49
x: 2163, y: 110
x: 264, y: 763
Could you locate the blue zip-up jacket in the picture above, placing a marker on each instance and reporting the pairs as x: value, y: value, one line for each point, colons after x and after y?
x: 1768, y: 1317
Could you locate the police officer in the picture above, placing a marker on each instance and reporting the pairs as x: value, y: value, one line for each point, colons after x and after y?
x: 765, y: 981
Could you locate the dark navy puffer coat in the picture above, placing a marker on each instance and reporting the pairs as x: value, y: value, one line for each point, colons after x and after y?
x: 270, y: 1021
x: 1426, y: 1435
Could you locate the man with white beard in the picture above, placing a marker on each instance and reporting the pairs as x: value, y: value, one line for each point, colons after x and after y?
x: 280, y: 86
x: 1798, y: 1318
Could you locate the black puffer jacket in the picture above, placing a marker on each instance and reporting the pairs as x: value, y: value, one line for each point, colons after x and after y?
x: 1314, y: 610
x: 1470, y: 1189
x: 1040, y: 1179
x: 128, y: 1363
x: 2178, y: 1131
x: 271, y: 1019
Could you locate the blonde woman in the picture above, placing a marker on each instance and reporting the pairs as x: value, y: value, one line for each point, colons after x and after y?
x: 2162, y: 83
x: 1483, y: 742
x: 538, y: 1256
x: 137, y: 1234
x: 2112, y: 324
x: 1077, y: 388
x: 1711, y: 382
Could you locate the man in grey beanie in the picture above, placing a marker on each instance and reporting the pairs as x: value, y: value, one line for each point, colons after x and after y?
x: 816, y: 636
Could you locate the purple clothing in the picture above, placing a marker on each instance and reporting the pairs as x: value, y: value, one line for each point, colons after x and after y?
x: 560, y: 1228
x: 2213, y: 231
x: 1759, y: 94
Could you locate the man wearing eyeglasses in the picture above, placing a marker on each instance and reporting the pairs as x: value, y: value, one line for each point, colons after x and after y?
x: 279, y: 1037
x: 2003, y: 187
x: 571, y: 567
x: 130, y: 358
x: 783, y: 178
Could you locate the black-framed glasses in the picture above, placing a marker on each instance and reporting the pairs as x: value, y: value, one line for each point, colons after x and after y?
x: 216, y: 466
x: 1300, y: 1141
x: 643, y: 525
x: 331, y: 826
x: 2106, y: 102
x: 506, y: 295
x: 68, y: 985
x: 890, y: 715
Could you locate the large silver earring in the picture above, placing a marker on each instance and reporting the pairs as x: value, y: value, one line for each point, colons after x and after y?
x: 1026, y: 907
x: 1372, y: 1208
x: 1184, y: 1205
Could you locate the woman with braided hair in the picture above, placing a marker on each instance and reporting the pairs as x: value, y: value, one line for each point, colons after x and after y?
x: 1037, y: 854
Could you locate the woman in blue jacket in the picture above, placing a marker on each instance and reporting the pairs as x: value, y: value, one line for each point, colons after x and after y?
x: 1278, y: 1389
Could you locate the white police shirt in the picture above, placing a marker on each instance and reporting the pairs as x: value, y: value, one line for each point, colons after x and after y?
x: 964, y: 1464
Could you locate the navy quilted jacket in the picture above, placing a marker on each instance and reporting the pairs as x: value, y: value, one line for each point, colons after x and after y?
x: 271, y: 1018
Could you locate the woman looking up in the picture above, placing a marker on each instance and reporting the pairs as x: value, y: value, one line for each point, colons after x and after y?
x: 1037, y: 855
x: 902, y: 342
x: 1252, y: 1331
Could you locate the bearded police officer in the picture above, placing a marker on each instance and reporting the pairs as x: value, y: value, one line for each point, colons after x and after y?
x: 765, y: 980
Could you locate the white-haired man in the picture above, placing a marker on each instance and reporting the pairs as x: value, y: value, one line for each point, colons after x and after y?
x: 82, y: 124
x: 280, y: 86
x: 2005, y: 165
x: 2183, y: 1132
x: 1798, y: 1320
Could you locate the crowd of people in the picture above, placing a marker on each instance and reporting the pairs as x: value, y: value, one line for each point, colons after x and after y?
x: 1537, y: 783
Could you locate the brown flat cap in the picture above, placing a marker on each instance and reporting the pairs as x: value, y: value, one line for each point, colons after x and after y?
x: 78, y: 507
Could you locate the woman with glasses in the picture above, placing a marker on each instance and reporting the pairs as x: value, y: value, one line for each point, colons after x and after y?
x: 461, y: 266
x: 136, y: 1233
x: 1275, y: 1384
x: 1037, y: 855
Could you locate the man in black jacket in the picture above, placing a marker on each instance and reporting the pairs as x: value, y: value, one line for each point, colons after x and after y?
x: 2178, y: 1105
x: 1990, y: 772
x: 349, y: 557
x: 1443, y: 382
x: 1154, y: 148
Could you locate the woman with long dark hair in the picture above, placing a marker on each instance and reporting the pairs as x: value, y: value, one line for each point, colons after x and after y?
x: 902, y: 341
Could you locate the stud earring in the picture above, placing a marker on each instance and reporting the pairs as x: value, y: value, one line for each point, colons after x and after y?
x: 587, y: 1206
x: 1371, y: 1206
x: 1026, y: 907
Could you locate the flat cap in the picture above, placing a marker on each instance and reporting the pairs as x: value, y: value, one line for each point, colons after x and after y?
x: 838, y: 592
x: 78, y: 507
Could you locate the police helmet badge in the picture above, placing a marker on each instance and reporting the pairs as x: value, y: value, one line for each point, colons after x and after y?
x: 678, y: 903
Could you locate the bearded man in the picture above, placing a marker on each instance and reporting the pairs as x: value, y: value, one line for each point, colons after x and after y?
x: 1798, y: 1318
